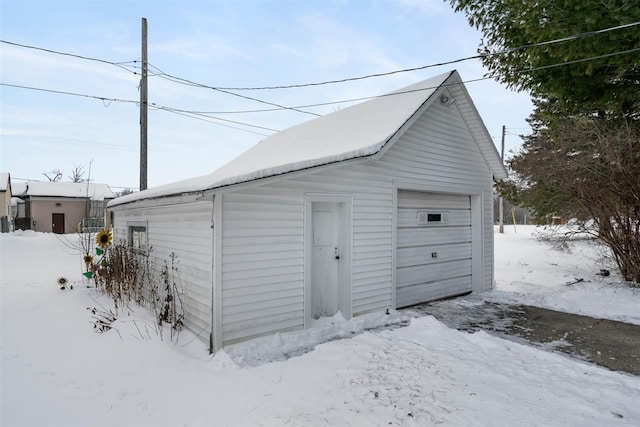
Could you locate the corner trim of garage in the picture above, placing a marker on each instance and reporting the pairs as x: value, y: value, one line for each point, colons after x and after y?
x: 477, y: 242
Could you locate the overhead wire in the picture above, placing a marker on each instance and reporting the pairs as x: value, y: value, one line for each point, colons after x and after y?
x: 422, y: 67
x: 194, y: 114
x: 151, y: 105
x: 195, y: 84
x: 178, y: 110
x: 135, y: 67
x: 487, y: 77
x: 62, y: 92
x: 405, y: 70
x: 364, y: 98
x: 160, y: 107
x: 160, y: 74
x: 576, y: 61
x: 226, y: 90
x: 73, y: 55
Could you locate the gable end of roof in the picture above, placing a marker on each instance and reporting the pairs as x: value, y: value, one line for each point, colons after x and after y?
x: 365, y: 130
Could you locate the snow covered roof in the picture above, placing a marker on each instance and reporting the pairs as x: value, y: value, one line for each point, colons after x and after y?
x: 19, y: 189
x: 68, y: 189
x: 4, y: 181
x: 358, y: 131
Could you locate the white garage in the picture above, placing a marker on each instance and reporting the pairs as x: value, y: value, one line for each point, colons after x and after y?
x: 383, y: 204
x: 433, y: 244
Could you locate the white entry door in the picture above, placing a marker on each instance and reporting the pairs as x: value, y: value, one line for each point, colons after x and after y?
x: 325, y: 259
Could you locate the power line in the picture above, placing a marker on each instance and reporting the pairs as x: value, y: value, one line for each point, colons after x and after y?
x: 130, y: 101
x: 61, y: 92
x: 191, y: 113
x: 405, y: 70
x: 342, y: 101
x: 178, y: 110
x: 364, y: 98
x: 227, y: 90
x: 195, y: 84
x: 160, y: 74
x: 222, y: 89
x: 191, y: 116
x: 73, y: 55
x: 606, y: 55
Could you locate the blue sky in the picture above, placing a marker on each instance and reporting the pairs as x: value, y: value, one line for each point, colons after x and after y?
x: 222, y: 44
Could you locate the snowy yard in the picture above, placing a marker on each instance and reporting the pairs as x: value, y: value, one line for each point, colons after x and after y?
x: 531, y: 272
x: 57, y: 372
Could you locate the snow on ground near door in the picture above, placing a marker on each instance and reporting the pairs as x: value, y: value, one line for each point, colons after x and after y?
x: 55, y: 371
x: 531, y: 272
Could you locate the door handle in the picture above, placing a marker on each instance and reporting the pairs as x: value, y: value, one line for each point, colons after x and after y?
x: 337, y: 255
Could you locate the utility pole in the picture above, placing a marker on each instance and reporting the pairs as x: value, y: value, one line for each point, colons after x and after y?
x: 501, y: 226
x: 143, y: 109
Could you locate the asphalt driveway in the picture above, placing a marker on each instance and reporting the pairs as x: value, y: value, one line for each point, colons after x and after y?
x: 613, y: 345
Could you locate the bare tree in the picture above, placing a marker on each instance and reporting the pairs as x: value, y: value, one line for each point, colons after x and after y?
x: 53, y: 176
x: 125, y: 192
x: 588, y: 169
x: 77, y: 174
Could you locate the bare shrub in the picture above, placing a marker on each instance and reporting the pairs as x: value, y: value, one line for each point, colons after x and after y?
x: 129, y: 276
x: 171, y: 310
x: 102, y: 319
x: 121, y: 275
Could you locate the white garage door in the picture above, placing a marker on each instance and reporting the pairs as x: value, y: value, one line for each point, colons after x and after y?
x: 433, y: 247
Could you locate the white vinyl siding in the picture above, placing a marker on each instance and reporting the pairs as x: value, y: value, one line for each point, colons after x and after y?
x: 263, y: 226
x: 262, y: 261
x: 186, y: 230
x: 263, y: 250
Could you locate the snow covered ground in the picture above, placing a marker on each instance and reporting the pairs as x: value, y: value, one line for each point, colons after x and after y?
x: 532, y: 272
x: 55, y: 371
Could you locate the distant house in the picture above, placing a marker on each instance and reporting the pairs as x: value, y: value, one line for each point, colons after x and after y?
x: 5, y: 202
x: 62, y: 207
x: 381, y: 205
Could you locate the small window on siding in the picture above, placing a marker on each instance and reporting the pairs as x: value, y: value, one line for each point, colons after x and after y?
x: 138, y: 237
